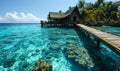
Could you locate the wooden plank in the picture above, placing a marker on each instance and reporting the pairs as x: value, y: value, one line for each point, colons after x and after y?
x: 117, y: 42
x: 111, y: 39
x: 108, y: 38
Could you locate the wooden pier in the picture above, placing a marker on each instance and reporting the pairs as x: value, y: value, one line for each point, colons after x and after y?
x: 110, y: 39
x: 47, y: 24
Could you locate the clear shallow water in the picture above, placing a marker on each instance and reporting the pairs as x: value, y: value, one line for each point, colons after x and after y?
x: 22, y: 45
x: 110, y: 29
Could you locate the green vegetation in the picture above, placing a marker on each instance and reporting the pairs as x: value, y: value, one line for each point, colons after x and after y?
x: 100, y: 12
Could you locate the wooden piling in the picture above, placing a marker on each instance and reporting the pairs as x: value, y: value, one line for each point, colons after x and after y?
x: 108, y: 38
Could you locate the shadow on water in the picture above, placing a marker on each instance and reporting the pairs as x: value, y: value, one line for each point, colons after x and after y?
x: 102, y: 62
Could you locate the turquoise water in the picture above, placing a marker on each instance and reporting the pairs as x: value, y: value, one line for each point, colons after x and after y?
x: 22, y: 45
x: 110, y: 29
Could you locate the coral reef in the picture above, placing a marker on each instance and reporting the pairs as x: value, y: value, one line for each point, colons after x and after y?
x: 79, y: 55
x: 8, y: 62
x: 42, y: 65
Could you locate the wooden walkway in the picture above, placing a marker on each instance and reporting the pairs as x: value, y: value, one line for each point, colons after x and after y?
x: 108, y: 38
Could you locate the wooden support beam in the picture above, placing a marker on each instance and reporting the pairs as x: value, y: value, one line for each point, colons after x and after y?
x: 108, y: 38
x: 42, y: 25
x: 98, y: 43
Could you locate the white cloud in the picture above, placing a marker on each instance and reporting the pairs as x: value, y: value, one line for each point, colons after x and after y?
x: 15, y: 17
x: 1, y: 19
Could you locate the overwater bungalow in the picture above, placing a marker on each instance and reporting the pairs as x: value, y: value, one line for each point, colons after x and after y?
x: 70, y: 17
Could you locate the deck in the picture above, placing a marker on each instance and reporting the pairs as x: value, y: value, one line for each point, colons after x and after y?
x: 108, y: 38
x: 47, y: 24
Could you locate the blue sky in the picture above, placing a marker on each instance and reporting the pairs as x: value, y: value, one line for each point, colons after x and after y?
x: 32, y: 10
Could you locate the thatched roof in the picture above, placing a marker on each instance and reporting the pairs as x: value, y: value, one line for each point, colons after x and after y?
x: 59, y: 15
x: 56, y: 15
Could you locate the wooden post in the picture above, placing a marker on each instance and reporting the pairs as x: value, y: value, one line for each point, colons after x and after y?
x: 88, y: 35
x: 41, y: 23
x: 98, y: 43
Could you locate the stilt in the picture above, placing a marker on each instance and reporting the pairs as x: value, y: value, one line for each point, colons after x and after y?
x: 111, y: 40
x: 41, y: 24
x: 88, y: 35
x: 98, y: 43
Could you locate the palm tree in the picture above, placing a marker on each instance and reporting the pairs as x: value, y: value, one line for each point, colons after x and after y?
x: 99, y: 12
x: 99, y: 3
x: 111, y: 11
x: 90, y: 6
x: 81, y: 4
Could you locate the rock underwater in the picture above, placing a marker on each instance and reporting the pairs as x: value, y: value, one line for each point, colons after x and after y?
x: 42, y: 65
x: 79, y: 56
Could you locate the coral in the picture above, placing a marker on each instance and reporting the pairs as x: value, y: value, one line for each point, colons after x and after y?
x: 79, y: 55
x: 9, y: 62
x: 42, y: 65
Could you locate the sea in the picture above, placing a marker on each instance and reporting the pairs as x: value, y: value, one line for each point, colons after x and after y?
x: 67, y: 49
x: 115, y: 30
